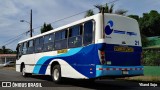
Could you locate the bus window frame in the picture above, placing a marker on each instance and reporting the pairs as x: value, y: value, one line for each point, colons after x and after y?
x: 32, y: 47
x: 66, y: 38
x: 93, y: 32
x: 19, y: 51
x: 80, y: 25
x: 35, y: 47
x: 25, y: 48
x: 49, y: 42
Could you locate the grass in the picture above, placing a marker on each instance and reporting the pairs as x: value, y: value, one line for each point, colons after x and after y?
x: 151, y: 70
x: 151, y: 73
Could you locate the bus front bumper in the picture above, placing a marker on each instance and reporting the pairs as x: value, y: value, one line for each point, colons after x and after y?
x: 103, y: 70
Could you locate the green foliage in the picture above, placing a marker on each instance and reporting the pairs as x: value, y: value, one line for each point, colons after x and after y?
x: 144, y: 40
x: 89, y: 13
x: 5, y: 50
x: 46, y: 27
x: 134, y: 17
x: 121, y: 12
x: 107, y: 9
x: 151, y: 58
x: 149, y: 23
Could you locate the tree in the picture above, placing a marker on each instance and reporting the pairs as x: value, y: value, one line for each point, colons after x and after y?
x: 121, y: 12
x: 134, y: 17
x: 89, y: 13
x: 145, y: 41
x: 46, y: 27
x: 149, y: 23
x: 151, y: 58
x: 108, y: 9
x: 5, y: 50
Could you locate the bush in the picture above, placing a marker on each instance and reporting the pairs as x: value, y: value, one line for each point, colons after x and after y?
x: 151, y: 58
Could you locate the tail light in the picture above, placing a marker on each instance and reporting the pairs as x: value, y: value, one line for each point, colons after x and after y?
x: 102, y: 57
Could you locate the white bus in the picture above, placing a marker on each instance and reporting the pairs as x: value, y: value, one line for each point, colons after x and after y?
x: 93, y: 47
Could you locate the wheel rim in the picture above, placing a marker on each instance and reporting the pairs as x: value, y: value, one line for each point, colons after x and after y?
x: 56, y: 74
x: 23, y: 72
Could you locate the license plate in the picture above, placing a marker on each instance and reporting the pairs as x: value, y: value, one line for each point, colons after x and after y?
x: 123, y: 49
x: 124, y: 72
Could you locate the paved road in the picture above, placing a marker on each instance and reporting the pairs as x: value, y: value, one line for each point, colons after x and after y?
x: 68, y: 84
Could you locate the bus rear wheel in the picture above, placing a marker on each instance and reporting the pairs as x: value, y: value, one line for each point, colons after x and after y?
x: 56, y: 74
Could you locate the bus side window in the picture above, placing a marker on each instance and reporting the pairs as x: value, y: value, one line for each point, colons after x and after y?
x: 48, y: 42
x: 30, y: 47
x: 61, y: 40
x: 88, y: 32
x: 19, y: 51
x: 75, y: 36
x: 38, y: 44
x: 24, y: 48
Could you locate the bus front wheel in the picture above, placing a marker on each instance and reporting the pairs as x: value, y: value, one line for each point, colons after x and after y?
x: 24, y: 74
x: 56, y: 74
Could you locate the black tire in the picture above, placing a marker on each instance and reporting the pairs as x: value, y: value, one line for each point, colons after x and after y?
x: 24, y: 74
x: 56, y: 74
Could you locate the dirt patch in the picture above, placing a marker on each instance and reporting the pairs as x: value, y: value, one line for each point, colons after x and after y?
x: 8, y: 68
x: 143, y: 78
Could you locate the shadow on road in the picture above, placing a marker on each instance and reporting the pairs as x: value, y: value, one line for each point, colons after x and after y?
x: 98, y: 84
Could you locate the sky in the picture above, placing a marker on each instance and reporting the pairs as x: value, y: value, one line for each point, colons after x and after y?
x: 12, y: 11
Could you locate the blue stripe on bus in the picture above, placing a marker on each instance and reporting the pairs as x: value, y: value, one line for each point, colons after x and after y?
x: 80, y: 61
x: 42, y: 60
x: 131, y: 33
x: 119, y: 32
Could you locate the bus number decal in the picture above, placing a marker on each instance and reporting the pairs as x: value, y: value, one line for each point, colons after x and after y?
x: 136, y: 42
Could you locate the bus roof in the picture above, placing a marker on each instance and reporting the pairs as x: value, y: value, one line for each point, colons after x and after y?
x: 69, y: 25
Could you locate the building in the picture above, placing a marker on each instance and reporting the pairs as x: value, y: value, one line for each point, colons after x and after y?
x: 7, y: 57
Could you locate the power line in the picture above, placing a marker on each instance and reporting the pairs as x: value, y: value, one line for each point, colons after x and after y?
x: 15, y: 38
x: 12, y: 39
x: 78, y: 13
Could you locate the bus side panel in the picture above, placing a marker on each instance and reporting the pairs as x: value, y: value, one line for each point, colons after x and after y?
x: 81, y: 60
x: 66, y: 70
x: 18, y: 63
x: 28, y: 60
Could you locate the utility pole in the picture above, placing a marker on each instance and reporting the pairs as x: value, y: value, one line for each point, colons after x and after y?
x: 31, y: 30
x: 30, y: 23
x: 102, y: 11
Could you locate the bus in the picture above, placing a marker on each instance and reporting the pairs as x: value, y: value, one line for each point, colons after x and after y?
x: 101, y: 45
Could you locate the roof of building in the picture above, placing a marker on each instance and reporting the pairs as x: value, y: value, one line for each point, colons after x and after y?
x: 154, y: 43
x: 7, y: 55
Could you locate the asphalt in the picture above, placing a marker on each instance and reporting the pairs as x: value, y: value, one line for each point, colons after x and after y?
x: 71, y: 84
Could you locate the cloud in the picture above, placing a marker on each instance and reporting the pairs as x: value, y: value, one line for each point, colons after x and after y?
x: 12, y: 11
